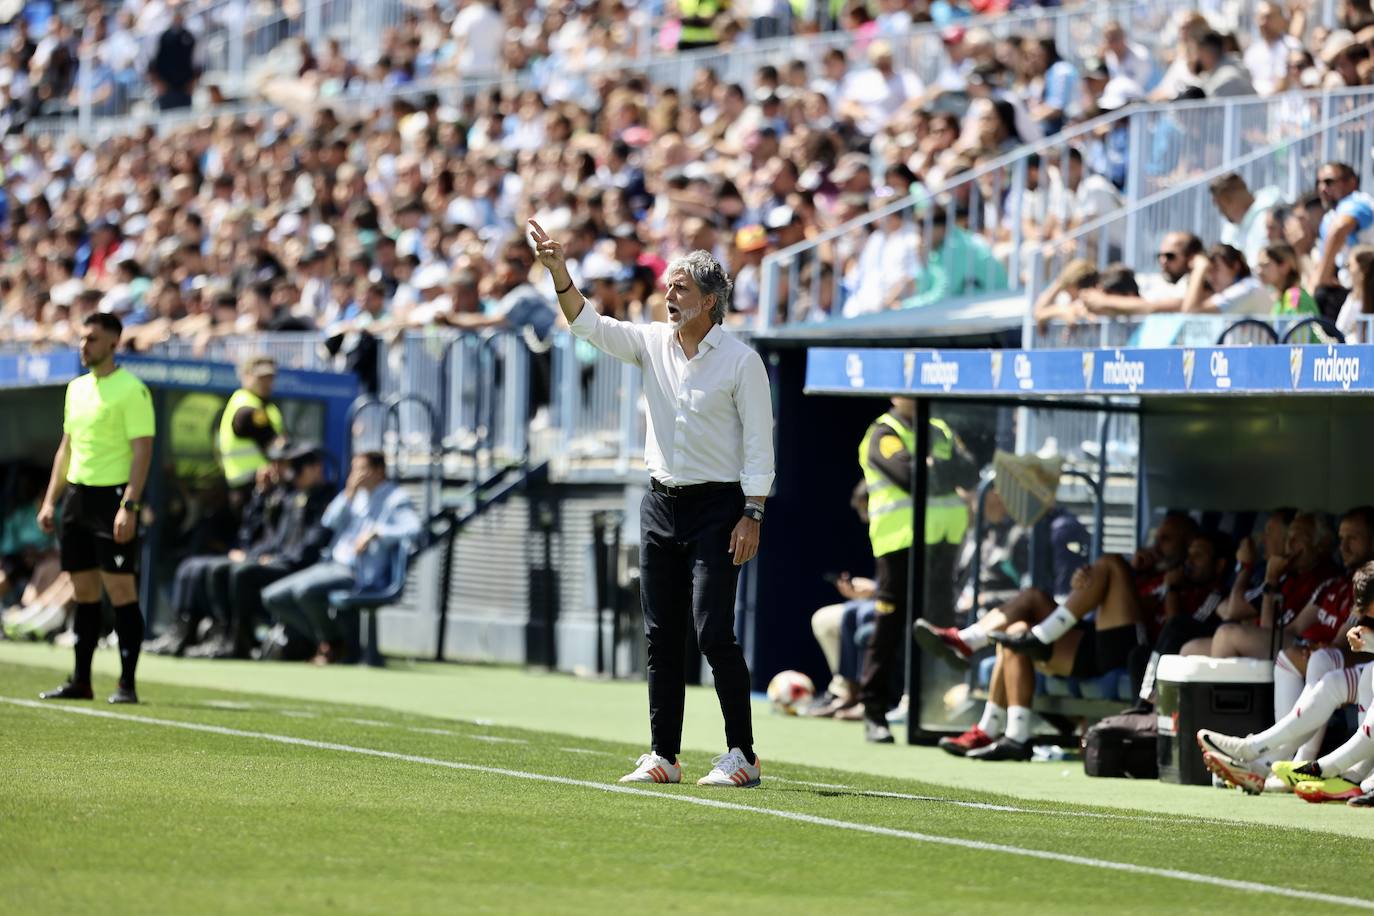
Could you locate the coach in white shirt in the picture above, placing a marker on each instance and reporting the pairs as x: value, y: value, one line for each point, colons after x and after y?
x: 710, y: 455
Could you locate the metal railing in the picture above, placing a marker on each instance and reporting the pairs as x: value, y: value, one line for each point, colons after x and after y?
x: 597, y: 413
x: 245, y: 37
x: 1191, y: 330
x: 1005, y: 203
x: 1130, y: 235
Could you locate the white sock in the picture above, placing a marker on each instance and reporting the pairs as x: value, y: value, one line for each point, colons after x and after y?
x: 973, y: 637
x: 1359, y: 749
x: 994, y: 721
x: 1288, y: 685
x: 1018, y: 723
x: 1054, y: 626
x: 1319, y: 664
x: 1314, y: 705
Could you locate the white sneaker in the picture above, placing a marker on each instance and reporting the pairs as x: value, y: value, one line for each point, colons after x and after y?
x: 652, y: 768
x: 1274, y: 784
x: 1231, y: 746
x: 731, y: 769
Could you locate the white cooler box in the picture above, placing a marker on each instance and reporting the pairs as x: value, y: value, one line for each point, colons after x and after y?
x: 1232, y: 695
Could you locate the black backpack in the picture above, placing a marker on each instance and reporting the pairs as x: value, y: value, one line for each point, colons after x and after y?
x: 1123, y: 746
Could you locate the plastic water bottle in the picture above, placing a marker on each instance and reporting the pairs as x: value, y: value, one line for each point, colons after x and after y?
x: 1043, y: 753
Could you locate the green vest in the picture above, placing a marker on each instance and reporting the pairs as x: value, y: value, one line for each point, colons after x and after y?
x: 241, y: 456
x: 191, y: 435
x: 703, y: 10
x: 890, y: 518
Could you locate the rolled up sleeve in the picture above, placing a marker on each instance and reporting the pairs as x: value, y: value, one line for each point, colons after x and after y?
x: 754, y: 400
x: 621, y: 339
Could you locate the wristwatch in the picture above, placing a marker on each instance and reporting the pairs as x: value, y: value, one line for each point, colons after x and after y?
x: 754, y: 511
x: 131, y: 504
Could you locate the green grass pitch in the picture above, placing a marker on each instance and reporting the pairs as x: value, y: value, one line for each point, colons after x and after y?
x: 272, y: 799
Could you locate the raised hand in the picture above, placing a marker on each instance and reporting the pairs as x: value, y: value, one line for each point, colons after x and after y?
x: 549, y: 252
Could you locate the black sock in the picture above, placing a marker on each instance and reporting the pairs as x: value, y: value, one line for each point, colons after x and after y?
x: 671, y: 758
x: 129, y: 627
x: 86, y: 626
x: 748, y: 752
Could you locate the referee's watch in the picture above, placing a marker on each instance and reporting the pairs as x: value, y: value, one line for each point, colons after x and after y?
x: 131, y: 504
x: 754, y: 511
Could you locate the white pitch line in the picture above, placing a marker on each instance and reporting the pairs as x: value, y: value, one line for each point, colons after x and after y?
x: 298, y: 714
x: 583, y: 750
x: 982, y: 806
x: 372, y: 722
x: 493, y: 739
x: 430, y: 731
x: 1253, y: 887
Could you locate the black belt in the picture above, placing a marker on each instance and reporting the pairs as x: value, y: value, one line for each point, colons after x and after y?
x: 696, y: 489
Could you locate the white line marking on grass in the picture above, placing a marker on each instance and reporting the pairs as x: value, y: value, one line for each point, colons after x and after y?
x: 430, y: 731
x: 976, y: 845
x: 227, y: 704
x: 583, y: 750
x: 299, y: 714
x: 982, y: 806
x: 495, y: 740
x: 372, y: 722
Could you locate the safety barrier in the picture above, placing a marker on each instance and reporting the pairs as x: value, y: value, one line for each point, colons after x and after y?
x: 1152, y: 149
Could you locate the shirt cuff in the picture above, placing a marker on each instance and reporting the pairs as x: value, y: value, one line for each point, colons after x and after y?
x: 757, y: 484
x: 585, y: 322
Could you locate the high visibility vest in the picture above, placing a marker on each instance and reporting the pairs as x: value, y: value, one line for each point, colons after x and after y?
x: 890, y: 518
x: 240, y: 456
x: 704, y: 10
x: 191, y: 435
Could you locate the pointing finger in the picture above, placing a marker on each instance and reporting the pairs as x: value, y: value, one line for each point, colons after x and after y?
x: 539, y: 234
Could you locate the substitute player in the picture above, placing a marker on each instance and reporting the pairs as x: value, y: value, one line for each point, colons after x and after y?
x: 101, y: 466
x: 710, y: 455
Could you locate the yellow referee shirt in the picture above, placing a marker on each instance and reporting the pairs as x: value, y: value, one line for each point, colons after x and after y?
x: 100, y: 418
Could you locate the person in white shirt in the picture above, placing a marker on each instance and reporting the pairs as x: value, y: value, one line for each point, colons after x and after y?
x: 1245, y: 213
x: 709, y: 448
x: 1220, y: 281
x: 874, y: 95
x: 1126, y: 58
x: 480, y: 34
x: 1267, y: 56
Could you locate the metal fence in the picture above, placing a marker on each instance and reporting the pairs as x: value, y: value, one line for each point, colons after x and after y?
x: 241, y: 37
x: 1003, y: 205
x: 1131, y: 235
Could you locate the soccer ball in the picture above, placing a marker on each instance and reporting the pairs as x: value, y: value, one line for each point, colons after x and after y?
x: 790, y: 691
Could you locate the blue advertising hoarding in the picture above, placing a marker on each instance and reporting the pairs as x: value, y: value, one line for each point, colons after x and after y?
x: 1027, y: 374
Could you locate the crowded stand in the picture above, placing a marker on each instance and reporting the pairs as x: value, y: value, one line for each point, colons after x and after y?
x: 862, y: 185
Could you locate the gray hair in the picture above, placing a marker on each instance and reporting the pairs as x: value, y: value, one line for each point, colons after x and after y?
x: 710, y: 278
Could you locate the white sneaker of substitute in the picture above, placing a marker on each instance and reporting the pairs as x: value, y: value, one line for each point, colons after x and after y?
x: 731, y: 769
x: 653, y: 768
x: 1274, y: 784
x: 1231, y: 746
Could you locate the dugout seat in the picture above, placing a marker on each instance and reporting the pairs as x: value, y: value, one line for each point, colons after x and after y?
x: 368, y: 601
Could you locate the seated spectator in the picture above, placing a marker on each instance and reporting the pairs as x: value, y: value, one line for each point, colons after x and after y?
x: 1247, y: 587
x: 957, y: 263
x: 370, y: 517
x: 1267, y: 56
x: 1243, y: 762
x: 1293, y: 582
x: 1246, y: 214
x: 1277, y: 266
x: 1033, y: 626
x: 1221, y: 282
x: 1218, y: 73
x: 1358, y: 309
x: 1162, y: 293
x: 831, y: 625
x: 1349, y: 221
x: 1058, y: 301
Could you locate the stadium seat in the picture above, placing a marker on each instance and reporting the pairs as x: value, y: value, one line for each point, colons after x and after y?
x: 369, y: 601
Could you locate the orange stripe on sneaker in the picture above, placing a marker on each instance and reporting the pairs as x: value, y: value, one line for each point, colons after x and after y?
x: 658, y: 774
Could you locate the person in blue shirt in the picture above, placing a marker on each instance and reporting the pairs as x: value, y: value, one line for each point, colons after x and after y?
x: 370, y: 518
x: 1349, y: 221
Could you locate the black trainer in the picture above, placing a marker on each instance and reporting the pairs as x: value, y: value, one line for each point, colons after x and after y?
x: 1362, y: 801
x: 69, y: 691
x: 124, y: 694
x: 1024, y: 644
x: 1003, y: 748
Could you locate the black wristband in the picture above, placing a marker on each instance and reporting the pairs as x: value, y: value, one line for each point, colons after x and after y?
x: 559, y: 292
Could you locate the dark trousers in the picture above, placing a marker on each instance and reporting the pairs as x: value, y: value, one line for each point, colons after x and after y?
x: 687, y: 576
x: 190, y: 600
x: 246, y: 582
x: 883, y: 655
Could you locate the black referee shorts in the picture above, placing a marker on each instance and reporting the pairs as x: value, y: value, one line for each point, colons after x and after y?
x: 86, y: 538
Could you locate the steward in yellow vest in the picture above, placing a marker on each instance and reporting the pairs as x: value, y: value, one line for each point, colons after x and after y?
x: 698, y: 23
x: 885, y: 457
x: 251, y: 423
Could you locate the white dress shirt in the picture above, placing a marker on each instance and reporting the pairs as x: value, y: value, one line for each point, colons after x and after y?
x: 710, y: 417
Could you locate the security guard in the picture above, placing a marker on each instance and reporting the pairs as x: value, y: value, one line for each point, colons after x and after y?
x: 885, y: 456
x: 101, y: 466
x: 698, y: 23
x: 251, y: 423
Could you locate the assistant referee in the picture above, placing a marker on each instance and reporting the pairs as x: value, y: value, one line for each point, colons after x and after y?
x: 710, y: 455
x: 101, y: 466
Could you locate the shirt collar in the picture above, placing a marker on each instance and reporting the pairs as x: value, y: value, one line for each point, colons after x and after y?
x: 713, y: 337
